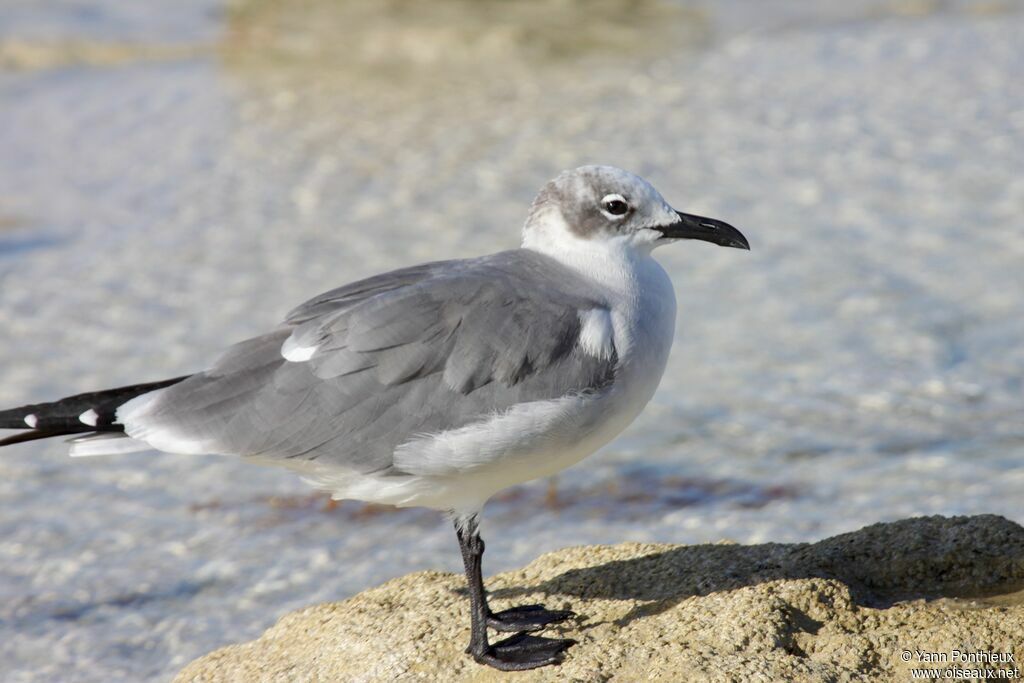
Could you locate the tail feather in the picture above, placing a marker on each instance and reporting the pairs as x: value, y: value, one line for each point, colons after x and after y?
x: 95, y: 411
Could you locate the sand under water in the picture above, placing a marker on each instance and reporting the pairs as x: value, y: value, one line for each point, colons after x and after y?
x: 176, y: 176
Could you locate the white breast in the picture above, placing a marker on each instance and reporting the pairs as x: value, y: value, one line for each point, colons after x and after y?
x: 644, y: 324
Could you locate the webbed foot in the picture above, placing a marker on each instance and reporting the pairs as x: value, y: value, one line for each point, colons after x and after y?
x: 527, y: 618
x: 523, y: 651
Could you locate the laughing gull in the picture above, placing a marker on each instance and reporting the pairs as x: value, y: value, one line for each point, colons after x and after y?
x: 440, y: 384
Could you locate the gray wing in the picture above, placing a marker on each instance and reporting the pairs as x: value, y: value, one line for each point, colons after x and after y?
x: 386, y: 359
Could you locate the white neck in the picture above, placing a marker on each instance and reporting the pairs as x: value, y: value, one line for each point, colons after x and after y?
x: 638, y: 292
x: 613, y: 263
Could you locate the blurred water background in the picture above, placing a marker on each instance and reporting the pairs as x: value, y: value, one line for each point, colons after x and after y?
x: 174, y: 176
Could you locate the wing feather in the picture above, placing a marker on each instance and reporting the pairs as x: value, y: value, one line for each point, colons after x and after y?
x: 390, y: 358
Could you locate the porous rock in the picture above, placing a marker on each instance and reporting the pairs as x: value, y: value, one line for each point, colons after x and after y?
x: 848, y: 608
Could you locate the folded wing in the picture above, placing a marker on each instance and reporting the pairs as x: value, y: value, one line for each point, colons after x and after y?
x: 360, y: 370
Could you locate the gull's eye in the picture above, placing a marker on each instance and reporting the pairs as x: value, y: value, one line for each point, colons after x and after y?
x: 615, y: 204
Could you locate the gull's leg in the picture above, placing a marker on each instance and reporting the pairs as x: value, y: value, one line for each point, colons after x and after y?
x: 519, y: 618
x: 519, y: 652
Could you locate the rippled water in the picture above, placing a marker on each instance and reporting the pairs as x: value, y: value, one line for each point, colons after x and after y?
x: 169, y: 188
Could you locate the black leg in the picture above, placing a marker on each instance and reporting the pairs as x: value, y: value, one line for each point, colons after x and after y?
x: 521, y: 651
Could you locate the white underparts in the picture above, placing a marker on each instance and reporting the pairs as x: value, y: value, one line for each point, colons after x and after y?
x: 597, y: 333
x: 89, y: 417
x: 459, y: 469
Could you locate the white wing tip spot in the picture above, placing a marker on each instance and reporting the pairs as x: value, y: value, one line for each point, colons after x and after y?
x: 295, y: 353
x: 31, y: 420
x: 89, y: 417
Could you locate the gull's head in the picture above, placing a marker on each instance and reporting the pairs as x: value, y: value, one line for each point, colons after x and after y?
x: 604, y: 204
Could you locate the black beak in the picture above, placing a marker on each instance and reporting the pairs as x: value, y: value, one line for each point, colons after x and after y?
x: 692, y: 227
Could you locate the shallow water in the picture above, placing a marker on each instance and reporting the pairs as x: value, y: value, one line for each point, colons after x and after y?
x: 166, y: 190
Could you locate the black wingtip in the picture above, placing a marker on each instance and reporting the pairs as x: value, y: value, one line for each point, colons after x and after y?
x: 15, y: 418
x: 34, y: 435
x: 62, y: 417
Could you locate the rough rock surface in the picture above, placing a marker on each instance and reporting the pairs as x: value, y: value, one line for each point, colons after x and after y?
x: 841, y: 609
